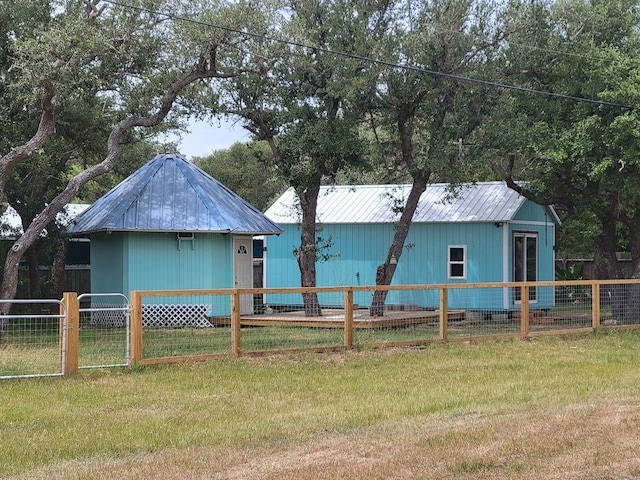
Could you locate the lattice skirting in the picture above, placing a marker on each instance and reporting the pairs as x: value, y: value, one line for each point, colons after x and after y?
x: 175, y: 316
x: 111, y: 316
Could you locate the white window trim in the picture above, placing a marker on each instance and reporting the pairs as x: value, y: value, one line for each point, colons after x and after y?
x: 456, y: 262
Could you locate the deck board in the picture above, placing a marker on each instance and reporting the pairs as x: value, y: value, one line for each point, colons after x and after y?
x: 334, y: 318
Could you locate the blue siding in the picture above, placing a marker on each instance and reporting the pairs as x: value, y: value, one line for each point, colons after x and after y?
x: 107, y: 263
x: 122, y: 262
x: 159, y: 261
x: 357, y: 250
x: 532, y: 212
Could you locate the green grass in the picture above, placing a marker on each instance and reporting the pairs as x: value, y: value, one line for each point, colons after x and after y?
x: 17, y: 360
x: 243, y: 402
x: 192, y: 341
x: 34, y: 351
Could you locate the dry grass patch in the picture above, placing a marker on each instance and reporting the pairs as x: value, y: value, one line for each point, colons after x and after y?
x: 593, y: 441
x: 550, y: 408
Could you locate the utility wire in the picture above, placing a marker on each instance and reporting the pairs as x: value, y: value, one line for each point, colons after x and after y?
x: 435, y: 73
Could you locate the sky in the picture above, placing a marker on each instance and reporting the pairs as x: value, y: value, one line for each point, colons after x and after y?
x: 205, y: 137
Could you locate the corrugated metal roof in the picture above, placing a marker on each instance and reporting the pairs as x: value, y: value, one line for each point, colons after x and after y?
x: 170, y: 194
x: 479, y: 202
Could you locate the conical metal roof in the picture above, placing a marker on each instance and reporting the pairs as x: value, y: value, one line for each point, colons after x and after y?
x: 171, y: 194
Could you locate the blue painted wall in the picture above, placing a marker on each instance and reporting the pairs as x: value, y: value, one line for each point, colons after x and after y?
x: 356, y: 250
x: 107, y: 274
x: 126, y: 261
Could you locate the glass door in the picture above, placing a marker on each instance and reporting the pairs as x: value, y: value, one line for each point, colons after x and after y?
x: 525, y: 262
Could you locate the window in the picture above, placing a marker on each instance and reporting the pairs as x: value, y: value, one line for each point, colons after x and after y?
x: 457, y: 261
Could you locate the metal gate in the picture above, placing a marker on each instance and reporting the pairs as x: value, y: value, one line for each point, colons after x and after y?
x: 33, y: 339
x: 104, y: 330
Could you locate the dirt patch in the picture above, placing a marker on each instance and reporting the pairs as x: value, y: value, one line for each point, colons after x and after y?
x: 582, y: 442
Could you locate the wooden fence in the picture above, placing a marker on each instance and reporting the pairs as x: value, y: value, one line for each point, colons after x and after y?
x: 410, y: 317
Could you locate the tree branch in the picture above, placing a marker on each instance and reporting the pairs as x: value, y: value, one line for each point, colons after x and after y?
x: 31, y: 233
x: 46, y: 128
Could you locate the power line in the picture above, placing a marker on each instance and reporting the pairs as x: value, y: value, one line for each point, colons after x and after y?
x: 530, y: 47
x: 435, y: 73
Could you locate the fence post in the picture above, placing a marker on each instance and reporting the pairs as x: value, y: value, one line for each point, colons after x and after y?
x: 444, y: 314
x: 524, y: 311
x: 348, y: 318
x: 236, y: 346
x: 71, y: 333
x: 135, y: 346
x: 595, y: 307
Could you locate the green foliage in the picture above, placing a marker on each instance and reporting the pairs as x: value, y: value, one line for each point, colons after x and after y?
x: 318, y: 146
x: 573, y: 272
x: 578, y: 155
x: 247, y: 169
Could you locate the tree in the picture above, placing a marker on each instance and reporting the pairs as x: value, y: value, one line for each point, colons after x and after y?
x: 248, y: 170
x: 432, y: 109
x: 569, y: 151
x: 130, y: 62
x: 304, y: 103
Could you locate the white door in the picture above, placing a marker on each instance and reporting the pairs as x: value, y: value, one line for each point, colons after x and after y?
x: 243, y: 271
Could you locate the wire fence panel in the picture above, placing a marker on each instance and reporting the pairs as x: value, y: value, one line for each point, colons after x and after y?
x: 294, y: 320
x: 569, y: 306
x: 181, y: 325
x: 395, y: 315
x: 31, y: 342
x: 104, y: 330
x: 186, y: 324
x: 619, y: 303
x: 484, y: 311
x: 52, y: 337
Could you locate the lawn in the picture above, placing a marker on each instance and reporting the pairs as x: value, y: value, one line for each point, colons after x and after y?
x: 552, y: 407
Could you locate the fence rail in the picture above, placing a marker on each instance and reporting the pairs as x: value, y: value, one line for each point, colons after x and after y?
x: 33, y: 340
x: 264, y: 320
x: 188, y: 325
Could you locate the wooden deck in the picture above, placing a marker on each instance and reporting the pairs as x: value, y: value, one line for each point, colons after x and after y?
x: 332, y: 318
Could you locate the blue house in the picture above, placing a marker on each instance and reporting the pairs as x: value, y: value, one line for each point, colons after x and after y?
x: 484, y: 232
x: 171, y: 226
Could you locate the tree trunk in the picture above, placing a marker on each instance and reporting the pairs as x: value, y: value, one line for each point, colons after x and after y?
x: 605, y: 261
x: 9, y: 287
x: 385, y: 272
x: 58, y: 267
x: 307, y: 254
x: 606, y: 267
x: 35, y: 290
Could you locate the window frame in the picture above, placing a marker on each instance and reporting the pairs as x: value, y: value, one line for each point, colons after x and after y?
x: 451, y: 263
x: 526, y: 261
